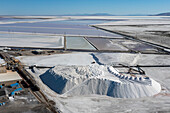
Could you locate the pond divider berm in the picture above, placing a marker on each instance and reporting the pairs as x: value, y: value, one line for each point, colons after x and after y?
x: 135, y: 39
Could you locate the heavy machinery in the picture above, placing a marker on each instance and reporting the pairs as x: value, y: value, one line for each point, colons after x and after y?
x: 139, y: 70
x: 15, y: 85
x: 16, y: 90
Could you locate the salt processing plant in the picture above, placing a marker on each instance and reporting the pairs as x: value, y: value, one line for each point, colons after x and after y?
x: 77, y: 64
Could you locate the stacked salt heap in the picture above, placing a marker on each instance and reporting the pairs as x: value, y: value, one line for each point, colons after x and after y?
x: 96, y: 79
x: 63, y: 78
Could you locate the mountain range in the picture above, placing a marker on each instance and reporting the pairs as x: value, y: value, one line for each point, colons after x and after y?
x: 107, y: 14
x: 102, y: 14
x: 163, y: 14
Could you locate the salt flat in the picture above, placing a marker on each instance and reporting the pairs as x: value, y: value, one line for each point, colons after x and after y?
x: 151, y: 30
x: 115, y: 17
x: 96, y: 103
x: 58, y: 59
x: 55, y: 25
x: 79, y: 82
x: 20, y: 40
x: 132, y: 59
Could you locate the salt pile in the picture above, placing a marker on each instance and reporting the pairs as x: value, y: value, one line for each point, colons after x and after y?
x: 63, y: 78
x: 97, y: 79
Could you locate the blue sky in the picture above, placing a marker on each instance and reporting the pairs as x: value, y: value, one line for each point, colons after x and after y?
x: 60, y: 7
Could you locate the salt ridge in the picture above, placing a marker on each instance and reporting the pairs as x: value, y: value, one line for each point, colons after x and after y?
x: 97, y: 79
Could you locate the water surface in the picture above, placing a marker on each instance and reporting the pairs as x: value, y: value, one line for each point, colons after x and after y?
x: 78, y: 43
x: 71, y: 27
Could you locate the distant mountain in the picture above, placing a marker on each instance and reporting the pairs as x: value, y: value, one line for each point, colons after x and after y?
x: 100, y: 14
x: 88, y: 14
x: 95, y: 14
x: 103, y: 14
x: 135, y: 15
x: 163, y: 14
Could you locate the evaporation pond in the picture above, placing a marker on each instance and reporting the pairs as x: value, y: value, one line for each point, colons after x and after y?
x: 78, y: 43
x: 106, y: 44
x: 24, y: 40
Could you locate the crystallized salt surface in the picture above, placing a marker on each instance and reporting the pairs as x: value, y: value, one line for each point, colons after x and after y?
x: 20, y: 40
x: 58, y: 59
x: 75, y: 74
x: 96, y: 79
x: 62, y: 78
x: 80, y: 58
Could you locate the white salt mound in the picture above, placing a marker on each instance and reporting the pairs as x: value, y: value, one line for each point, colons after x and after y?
x: 63, y: 78
x: 96, y: 79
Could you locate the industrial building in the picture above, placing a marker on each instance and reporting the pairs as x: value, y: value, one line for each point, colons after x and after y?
x: 9, y: 78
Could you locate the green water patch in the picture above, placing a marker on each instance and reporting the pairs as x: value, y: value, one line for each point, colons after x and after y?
x: 78, y: 43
